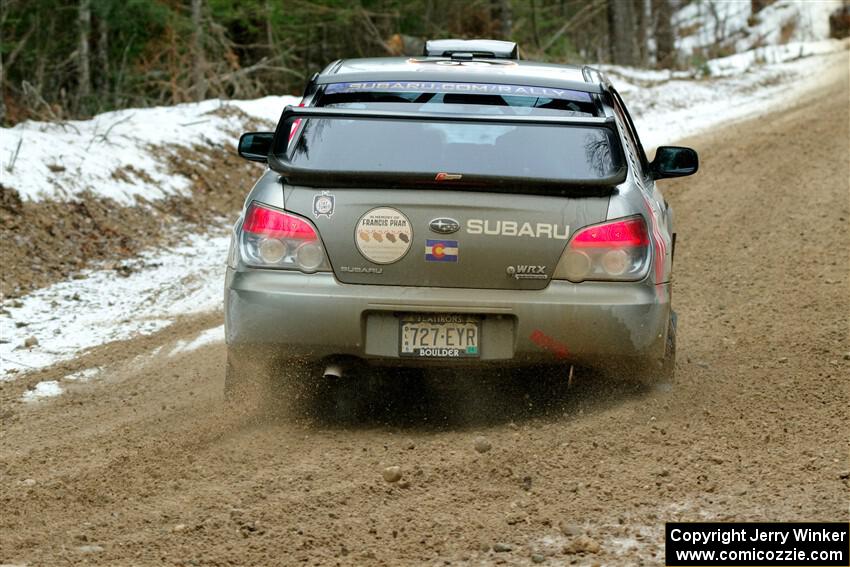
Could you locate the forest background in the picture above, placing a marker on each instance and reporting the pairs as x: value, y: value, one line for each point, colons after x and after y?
x: 68, y: 59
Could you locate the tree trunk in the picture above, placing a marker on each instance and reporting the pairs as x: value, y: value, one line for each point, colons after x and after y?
x: 665, y: 40
x: 102, y: 77
x: 4, y: 13
x: 535, y: 34
x: 199, y: 64
x: 507, y: 18
x: 757, y: 6
x: 269, y: 28
x: 429, y: 15
x: 2, y: 96
x: 84, y: 74
x: 621, y: 30
x: 641, y: 32
x: 323, y: 45
x: 41, y: 60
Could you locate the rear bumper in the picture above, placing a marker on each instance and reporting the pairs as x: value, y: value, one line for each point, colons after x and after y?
x: 315, y: 316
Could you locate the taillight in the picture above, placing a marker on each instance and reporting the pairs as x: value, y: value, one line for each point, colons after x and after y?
x: 271, y: 238
x: 613, y: 251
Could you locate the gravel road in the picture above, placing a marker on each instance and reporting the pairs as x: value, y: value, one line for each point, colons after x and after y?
x: 145, y: 465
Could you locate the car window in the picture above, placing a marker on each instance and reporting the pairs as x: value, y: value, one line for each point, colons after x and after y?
x: 631, y: 152
x: 579, y: 154
x: 573, y: 153
x: 630, y: 130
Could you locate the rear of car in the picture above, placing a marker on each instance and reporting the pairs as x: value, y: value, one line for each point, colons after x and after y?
x: 450, y: 222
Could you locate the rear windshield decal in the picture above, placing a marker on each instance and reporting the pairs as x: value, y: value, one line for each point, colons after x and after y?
x: 468, y: 88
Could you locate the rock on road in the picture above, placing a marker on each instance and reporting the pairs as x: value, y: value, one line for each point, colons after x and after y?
x: 145, y: 465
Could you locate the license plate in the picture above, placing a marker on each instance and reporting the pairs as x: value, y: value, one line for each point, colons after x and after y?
x: 428, y: 335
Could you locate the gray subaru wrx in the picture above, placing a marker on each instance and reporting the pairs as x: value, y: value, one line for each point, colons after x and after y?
x: 460, y: 208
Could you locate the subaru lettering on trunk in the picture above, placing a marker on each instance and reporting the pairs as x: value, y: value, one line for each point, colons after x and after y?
x: 514, y: 228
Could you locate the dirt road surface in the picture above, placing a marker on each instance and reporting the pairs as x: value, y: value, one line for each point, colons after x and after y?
x: 145, y: 465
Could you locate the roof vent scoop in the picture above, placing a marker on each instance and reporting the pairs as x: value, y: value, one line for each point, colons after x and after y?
x: 468, y: 48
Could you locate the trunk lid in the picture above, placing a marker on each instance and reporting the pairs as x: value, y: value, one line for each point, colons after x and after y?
x: 400, y: 236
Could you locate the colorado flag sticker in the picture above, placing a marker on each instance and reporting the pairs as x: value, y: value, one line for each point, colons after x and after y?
x: 441, y: 250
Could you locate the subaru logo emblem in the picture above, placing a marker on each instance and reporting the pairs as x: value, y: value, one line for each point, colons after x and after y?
x: 444, y: 225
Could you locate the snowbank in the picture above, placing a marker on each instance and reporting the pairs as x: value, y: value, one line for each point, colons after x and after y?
x: 72, y: 316
x: 731, y: 24
x: 668, y: 105
x: 111, y: 153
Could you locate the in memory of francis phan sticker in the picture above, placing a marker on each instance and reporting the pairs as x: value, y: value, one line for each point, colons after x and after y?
x: 383, y: 235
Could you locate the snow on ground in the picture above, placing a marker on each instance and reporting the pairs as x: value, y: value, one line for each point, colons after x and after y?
x: 83, y: 375
x: 208, y: 337
x: 57, y: 160
x: 731, y: 24
x: 47, y: 389
x: 668, y: 105
x: 72, y: 316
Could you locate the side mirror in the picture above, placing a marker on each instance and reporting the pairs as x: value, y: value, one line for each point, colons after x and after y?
x: 255, y: 146
x: 674, y: 161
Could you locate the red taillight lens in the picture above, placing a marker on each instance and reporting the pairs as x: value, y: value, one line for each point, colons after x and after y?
x: 262, y: 221
x: 631, y: 232
x: 611, y: 251
x: 271, y: 238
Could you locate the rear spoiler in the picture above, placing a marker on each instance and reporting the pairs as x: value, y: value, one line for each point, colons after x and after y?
x: 279, y: 161
x: 482, y: 48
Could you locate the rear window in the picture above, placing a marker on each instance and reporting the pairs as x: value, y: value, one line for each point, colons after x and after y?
x: 421, y: 151
x: 424, y: 149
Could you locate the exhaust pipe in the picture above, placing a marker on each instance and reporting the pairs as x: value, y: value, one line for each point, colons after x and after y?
x: 332, y: 371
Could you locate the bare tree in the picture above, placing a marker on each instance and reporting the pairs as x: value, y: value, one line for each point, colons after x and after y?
x: 576, y: 21
x: 506, y: 18
x: 198, y: 60
x: 4, y: 13
x: 719, y: 17
x: 83, y: 70
x: 535, y: 34
x: 269, y: 26
x: 102, y: 76
x: 642, y: 15
x: 621, y: 28
x: 665, y: 40
x: 757, y: 6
